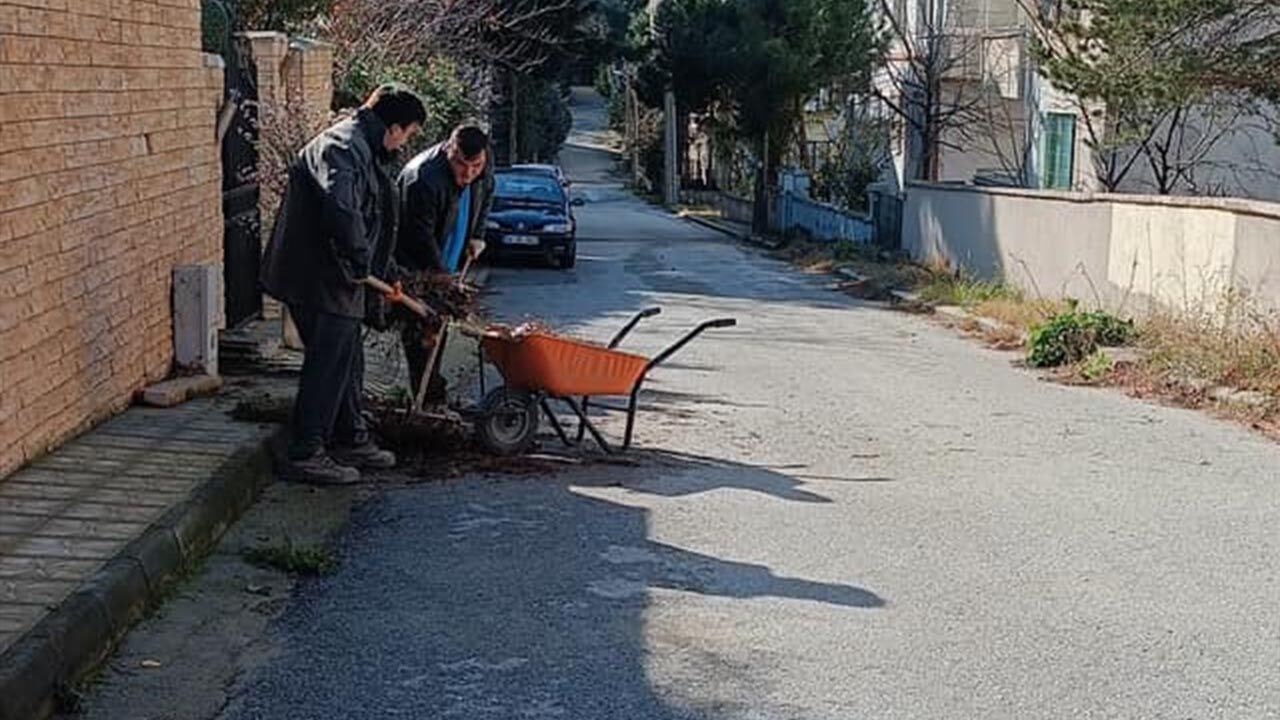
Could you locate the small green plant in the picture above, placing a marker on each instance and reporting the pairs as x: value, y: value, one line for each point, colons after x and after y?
x: 1072, y: 336
x: 293, y: 559
x: 1096, y: 366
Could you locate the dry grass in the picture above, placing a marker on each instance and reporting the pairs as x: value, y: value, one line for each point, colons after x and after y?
x: 953, y: 289
x: 1234, y: 349
x: 881, y: 269
x: 1018, y: 312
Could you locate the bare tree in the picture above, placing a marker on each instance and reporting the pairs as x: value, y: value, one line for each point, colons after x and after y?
x: 517, y: 35
x: 1161, y: 88
x: 927, y: 81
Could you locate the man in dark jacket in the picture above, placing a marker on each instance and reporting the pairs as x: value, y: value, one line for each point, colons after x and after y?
x: 338, y: 209
x: 446, y: 192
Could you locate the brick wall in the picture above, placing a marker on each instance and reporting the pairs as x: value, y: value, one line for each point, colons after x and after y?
x: 109, y: 177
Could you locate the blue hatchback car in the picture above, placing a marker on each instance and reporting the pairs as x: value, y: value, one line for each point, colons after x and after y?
x: 532, y: 216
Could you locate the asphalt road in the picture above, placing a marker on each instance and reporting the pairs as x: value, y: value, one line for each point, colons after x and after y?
x: 840, y: 512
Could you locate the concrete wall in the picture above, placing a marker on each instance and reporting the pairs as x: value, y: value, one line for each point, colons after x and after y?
x: 1179, y: 252
x: 109, y: 177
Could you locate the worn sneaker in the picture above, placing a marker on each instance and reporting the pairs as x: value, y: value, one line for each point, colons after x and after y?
x: 320, y: 469
x: 367, y: 456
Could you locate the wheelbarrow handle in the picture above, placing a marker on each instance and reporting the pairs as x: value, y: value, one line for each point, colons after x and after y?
x: 708, y: 325
x: 626, y: 329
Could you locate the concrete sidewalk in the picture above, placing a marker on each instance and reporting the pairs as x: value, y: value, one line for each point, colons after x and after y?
x: 97, y: 530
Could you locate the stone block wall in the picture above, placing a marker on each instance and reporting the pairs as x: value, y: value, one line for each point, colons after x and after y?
x: 110, y: 176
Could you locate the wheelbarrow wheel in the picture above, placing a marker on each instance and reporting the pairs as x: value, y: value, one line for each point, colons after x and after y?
x: 508, y: 421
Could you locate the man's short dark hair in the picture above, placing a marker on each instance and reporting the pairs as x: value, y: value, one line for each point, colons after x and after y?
x: 396, y: 104
x: 469, y: 140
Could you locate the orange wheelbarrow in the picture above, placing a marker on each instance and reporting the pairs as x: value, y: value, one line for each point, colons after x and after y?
x: 539, y: 367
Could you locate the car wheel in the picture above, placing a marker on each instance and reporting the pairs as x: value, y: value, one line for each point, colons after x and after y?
x: 570, y: 257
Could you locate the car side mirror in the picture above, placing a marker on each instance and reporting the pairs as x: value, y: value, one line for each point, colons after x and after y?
x: 577, y: 202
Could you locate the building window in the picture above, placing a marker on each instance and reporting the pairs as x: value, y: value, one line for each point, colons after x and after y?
x: 1058, y: 151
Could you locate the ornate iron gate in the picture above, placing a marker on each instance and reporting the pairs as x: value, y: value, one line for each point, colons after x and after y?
x: 242, y: 223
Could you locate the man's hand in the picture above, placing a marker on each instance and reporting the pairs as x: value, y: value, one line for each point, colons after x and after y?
x: 476, y: 248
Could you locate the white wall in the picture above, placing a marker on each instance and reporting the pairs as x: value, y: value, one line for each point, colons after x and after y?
x: 1179, y: 252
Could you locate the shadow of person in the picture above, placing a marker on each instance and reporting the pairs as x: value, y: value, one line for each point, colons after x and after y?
x: 672, y: 568
x: 674, y: 474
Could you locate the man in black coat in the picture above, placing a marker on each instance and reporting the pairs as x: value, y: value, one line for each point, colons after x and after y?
x: 338, y: 210
x: 436, y: 187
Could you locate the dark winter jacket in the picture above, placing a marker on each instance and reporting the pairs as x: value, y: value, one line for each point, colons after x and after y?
x: 336, y: 222
x: 429, y: 208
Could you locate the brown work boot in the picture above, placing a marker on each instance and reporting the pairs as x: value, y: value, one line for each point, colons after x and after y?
x: 319, y: 469
x: 365, y: 456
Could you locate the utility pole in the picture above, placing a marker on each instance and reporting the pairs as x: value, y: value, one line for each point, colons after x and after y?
x: 670, y: 141
x: 671, y: 150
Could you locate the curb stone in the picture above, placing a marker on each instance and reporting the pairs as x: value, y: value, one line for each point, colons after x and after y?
x: 745, y: 237
x: 956, y: 312
x: 84, y: 628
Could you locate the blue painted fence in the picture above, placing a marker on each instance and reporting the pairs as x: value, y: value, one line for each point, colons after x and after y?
x: 819, y: 221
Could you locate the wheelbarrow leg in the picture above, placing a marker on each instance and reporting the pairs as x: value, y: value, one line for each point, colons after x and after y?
x: 555, y: 424
x: 582, y: 427
x: 582, y: 418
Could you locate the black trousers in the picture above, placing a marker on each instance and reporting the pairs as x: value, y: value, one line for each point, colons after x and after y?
x: 330, y: 405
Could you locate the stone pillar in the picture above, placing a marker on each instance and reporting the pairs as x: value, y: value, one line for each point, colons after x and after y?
x: 309, y: 80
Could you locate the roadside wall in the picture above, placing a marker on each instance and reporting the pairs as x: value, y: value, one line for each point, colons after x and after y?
x: 1180, y: 252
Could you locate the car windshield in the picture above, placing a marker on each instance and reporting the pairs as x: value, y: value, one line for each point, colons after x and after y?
x: 519, y: 187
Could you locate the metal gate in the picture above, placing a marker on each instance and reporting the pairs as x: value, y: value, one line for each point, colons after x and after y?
x: 242, y: 222
x: 886, y: 215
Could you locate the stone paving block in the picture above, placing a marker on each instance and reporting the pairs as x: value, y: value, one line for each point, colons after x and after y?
x: 83, y: 510
x: 112, y: 482
x: 157, y: 456
x: 87, y: 493
x: 188, y: 445
x: 46, y: 568
x: 18, y: 618
x: 178, y: 390
x: 35, y: 592
x: 20, y: 524
x: 213, y: 434
x: 70, y: 548
x: 135, y: 466
x: 72, y: 527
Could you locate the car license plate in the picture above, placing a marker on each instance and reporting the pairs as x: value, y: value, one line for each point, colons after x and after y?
x: 520, y: 240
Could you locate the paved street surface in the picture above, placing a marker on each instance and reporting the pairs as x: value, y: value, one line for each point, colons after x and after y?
x: 843, y: 512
